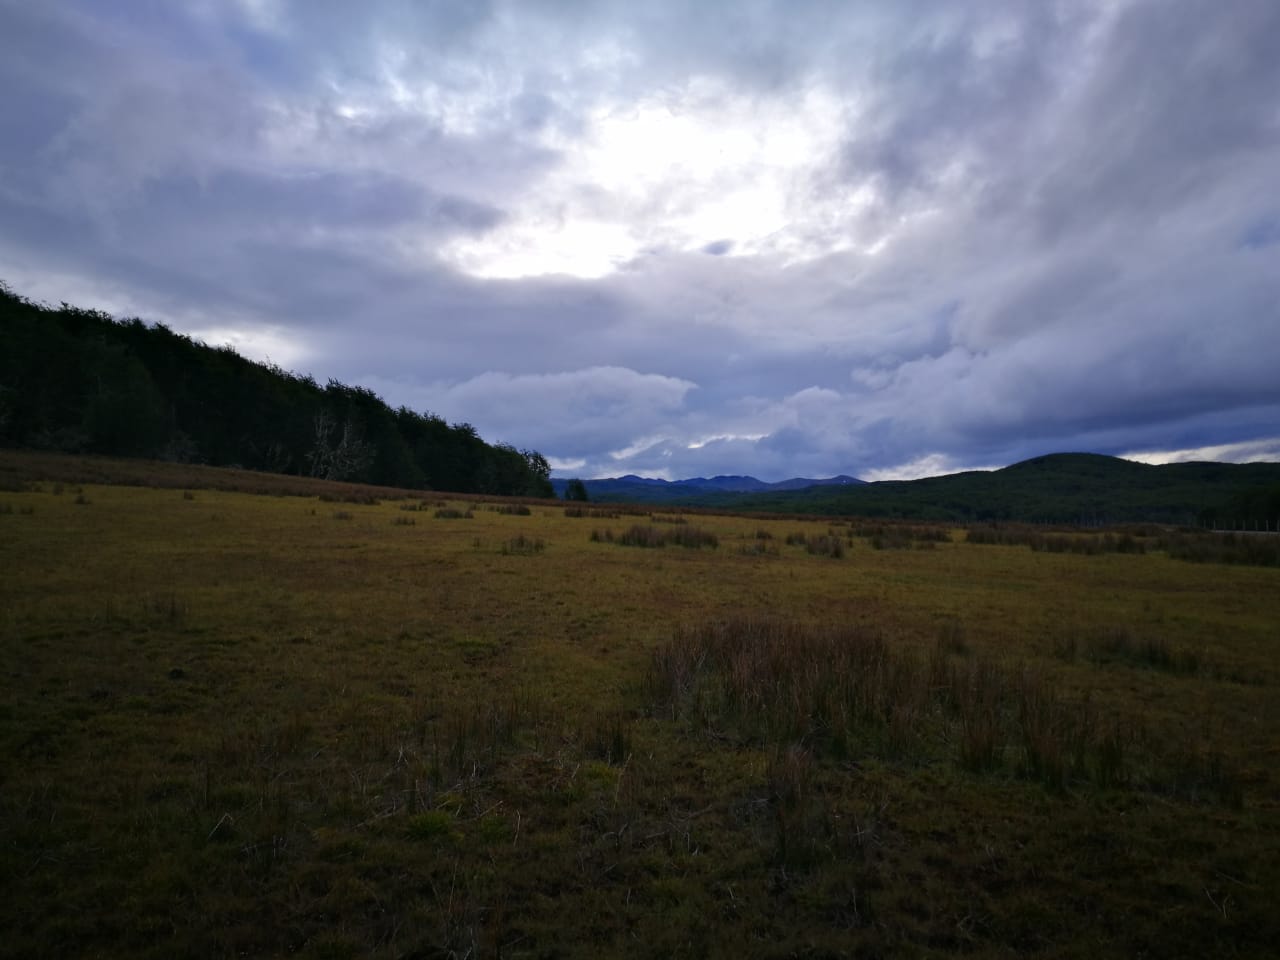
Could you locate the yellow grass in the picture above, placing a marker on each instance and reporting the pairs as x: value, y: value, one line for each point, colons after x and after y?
x: 228, y: 719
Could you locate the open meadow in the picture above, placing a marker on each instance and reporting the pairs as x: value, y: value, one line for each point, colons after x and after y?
x: 328, y: 724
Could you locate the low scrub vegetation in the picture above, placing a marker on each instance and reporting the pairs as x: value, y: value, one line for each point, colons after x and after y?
x: 453, y: 513
x: 640, y: 535
x: 513, y: 509
x: 1120, y: 645
x: 522, y: 545
x: 1084, y: 543
x: 595, y: 513
x: 1248, y: 549
x: 232, y: 726
x: 846, y: 691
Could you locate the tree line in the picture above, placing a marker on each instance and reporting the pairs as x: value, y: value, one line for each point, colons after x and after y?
x: 80, y: 381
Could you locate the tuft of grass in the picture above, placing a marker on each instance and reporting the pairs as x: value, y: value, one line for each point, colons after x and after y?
x: 825, y: 546
x: 639, y: 535
x: 521, y: 545
x: 433, y: 826
x: 452, y: 513
x: 1122, y: 645
x: 578, y: 511
x: 840, y: 691
x: 608, y: 736
x: 667, y: 518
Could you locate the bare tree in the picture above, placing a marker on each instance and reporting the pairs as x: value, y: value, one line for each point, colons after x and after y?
x: 338, y: 456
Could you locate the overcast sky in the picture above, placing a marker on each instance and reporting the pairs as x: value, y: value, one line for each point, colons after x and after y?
x: 885, y: 238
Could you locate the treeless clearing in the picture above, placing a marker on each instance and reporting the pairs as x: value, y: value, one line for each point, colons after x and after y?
x: 249, y: 724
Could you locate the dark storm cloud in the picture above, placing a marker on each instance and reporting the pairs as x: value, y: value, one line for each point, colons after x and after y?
x: 930, y: 235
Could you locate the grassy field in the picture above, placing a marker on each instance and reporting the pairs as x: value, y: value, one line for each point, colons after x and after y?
x: 239, y: 724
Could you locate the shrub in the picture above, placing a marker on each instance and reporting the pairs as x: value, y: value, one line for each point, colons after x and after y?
x: 452, y: 513
x: 825, y: 546
x: 593, y: 512
x: 693, y: 537
x: 523, y: 546
x: 639, y: 535
x: 1259, y: 550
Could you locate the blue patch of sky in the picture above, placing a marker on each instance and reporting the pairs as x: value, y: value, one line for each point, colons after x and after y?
x: 1261, y: 232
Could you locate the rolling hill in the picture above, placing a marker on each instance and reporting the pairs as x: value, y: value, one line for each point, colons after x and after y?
x: 1067, y: 488
x: 633, y: 489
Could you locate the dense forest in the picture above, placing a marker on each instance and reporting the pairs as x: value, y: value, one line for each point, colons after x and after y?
x: 1065, y: 488
x: 80, y: 381
x: 1079, y: 489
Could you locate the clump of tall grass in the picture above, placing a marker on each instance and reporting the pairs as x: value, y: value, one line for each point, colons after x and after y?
x: 692, y: 537
x: 1249, y: 549
x: 1119, y: 644
x: 453, y: 513
x: 900, y: 536
x: 825, y: 546
x: 639, y: 535
x: 520, y: 545
x: 818, y: 544
x: 1083, y: 543
x: 357, y: 497
x: 608, y: 737
x: 596, y: 513
x: 513, y: 509
x: 842, y: 690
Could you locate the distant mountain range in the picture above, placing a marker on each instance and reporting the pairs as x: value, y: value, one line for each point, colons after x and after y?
x: 633, y: 489
x: 1069, y: 488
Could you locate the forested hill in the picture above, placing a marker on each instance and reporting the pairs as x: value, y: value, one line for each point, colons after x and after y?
x: 77, y: 380
x: 1072, y: 488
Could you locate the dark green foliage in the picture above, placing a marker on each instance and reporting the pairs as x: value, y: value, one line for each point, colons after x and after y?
x: 77, y: 380
x: 576, y: 490
x: 1070, y: 488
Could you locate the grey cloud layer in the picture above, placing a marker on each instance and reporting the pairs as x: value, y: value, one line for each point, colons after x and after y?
x: 1076, y: 207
